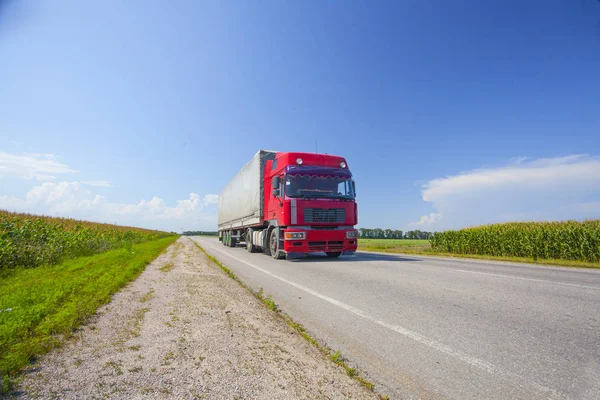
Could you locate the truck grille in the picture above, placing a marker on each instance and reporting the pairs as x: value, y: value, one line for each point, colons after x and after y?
x: 317, y: 246
x: 324, y: 215
x: 338, y: 245
x: 326, y: 246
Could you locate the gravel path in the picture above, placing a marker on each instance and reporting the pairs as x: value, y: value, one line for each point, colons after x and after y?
x: 186, y: 330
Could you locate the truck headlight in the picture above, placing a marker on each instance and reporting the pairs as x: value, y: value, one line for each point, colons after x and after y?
x: 295, y: 235
x: 351, y: 234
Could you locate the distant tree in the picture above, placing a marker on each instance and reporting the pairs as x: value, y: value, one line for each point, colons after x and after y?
x: 378, y: 233
x: 198, y: 233
x: 410, y: 235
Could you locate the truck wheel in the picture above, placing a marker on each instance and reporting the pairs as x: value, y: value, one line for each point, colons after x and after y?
x: 249, y: 246
x: 333, y: 254
x: 274, y: 245
x: 233, y: 242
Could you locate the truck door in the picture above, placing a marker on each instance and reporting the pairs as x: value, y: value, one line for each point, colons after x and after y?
x: 274, y: 194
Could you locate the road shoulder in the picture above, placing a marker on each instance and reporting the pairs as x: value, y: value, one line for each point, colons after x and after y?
x: 185, y: 329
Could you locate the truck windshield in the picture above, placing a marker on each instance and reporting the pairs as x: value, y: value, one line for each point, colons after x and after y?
x: 319, y: 186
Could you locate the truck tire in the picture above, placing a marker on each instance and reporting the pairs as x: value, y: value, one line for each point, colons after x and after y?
x: 274, y: 250
x: 249, y: 246
x: 333, y: 254
x: 233, y: 242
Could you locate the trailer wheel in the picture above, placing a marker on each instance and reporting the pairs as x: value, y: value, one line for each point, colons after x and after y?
x: 232, y: 242
x: 333, y: 254
x: 249, y: 246
x: 274, y: 245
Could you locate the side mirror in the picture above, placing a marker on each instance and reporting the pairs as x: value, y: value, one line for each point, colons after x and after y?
x: 354, y: 187
x: 275, y: 183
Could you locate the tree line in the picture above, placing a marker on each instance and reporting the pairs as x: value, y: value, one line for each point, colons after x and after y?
x: 378, y: 233
x: 200, y: 233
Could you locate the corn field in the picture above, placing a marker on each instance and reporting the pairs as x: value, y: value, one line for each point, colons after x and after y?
x: 29, y: 240
x: 566, y: 240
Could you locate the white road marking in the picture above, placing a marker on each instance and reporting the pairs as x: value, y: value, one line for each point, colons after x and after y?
x: 528, y: 279
x: 484, y: 365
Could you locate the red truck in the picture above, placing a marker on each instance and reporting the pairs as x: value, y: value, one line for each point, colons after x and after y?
x: 291, y: 204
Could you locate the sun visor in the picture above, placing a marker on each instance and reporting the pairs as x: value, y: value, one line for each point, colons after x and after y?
x: 293, y: 170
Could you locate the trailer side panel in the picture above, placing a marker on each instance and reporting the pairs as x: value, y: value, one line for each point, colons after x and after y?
x: 241, y: 202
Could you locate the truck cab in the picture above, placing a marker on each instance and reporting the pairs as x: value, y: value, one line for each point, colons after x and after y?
x: 309, y: 205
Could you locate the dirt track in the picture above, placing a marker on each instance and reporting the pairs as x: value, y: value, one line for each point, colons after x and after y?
x: 184, y: 329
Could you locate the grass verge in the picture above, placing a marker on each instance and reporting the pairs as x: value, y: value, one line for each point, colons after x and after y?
x: 430, y: 252
x: 336, y: 357
x: 40, y: 307
x: 394, y: 245
x: 423, y: 247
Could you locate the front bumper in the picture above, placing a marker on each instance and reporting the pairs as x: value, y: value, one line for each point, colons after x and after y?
x: 317, y: 241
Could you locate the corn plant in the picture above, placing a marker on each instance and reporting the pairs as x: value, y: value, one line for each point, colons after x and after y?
x: 29, y: 240
x: 565, y: 240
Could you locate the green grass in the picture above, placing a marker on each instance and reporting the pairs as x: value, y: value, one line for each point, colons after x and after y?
x: 31, y: 240
x: 526, y: 260
x: 268, y: 301
x: 394, y: 245
x: 40, y: 307
x: 423, y: 247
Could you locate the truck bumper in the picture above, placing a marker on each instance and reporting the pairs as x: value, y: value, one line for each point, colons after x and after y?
x: 318, y: 241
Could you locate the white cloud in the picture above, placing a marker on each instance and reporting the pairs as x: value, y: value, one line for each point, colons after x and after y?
x: 32, y: 166
x: 73, y: 199
x: 97, y: 183
x: 543, y: 189
x: 427, y: 220
x: 211, y: 199
x: 76, y: 200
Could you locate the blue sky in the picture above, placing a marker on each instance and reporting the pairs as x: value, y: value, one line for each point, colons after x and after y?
x: 450, y: 113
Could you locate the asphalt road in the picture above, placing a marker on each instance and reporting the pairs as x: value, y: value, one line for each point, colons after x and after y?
x: 434, y: 328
